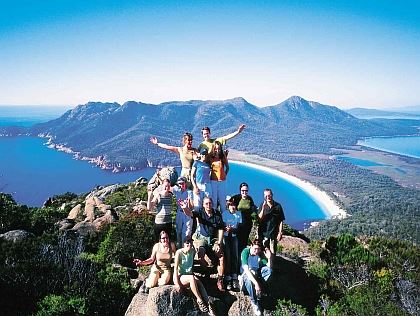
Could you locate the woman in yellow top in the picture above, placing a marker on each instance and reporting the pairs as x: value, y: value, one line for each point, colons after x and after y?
x: 161, y: 257
x: 219, y: 170
x: 186, y: 154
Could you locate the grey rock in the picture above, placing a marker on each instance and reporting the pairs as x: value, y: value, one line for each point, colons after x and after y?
x: 16, y: 235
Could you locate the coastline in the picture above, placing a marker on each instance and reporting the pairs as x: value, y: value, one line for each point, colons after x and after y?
x: 330, y: 208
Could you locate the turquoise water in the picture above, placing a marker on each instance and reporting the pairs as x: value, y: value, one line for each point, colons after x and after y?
x: 33, y: 172
x: 402, y: 145
x: 359, y: 162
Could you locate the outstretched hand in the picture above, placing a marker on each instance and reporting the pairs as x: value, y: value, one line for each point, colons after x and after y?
x: 137, y: 262
x: 153, y: 140
x: 241, y: 128
x: 268, y: 253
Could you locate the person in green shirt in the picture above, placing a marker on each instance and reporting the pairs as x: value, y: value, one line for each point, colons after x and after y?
x: 256, y: 269
x: 184, y: 277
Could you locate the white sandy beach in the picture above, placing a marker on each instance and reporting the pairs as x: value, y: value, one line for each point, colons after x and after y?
x: 327, y: 204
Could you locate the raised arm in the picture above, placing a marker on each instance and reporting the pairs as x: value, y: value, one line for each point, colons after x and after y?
x: 235, y: 133
x: 154, y: 141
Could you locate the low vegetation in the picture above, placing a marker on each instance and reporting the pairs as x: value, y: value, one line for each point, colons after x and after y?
x: 54, y: 273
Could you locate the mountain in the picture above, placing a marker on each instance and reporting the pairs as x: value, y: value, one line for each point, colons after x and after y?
x: 119, y: 134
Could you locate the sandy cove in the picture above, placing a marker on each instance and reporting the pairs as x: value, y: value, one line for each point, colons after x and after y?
x: 330, y: 208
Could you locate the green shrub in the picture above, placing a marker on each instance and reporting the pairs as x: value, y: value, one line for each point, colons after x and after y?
x: 12, y: 215
x: 131, y: 237
x: 111, y: 294
x: 287, y: 308
x: 56, y: 305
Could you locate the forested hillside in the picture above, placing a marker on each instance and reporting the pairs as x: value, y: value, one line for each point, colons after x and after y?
x: 120, y: 134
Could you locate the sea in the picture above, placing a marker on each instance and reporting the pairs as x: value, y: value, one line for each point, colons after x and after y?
x: 32, y: 172
x: 402, y: 145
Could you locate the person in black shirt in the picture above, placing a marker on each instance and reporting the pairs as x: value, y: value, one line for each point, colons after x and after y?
x: 271, y: 217
x: 208, y: 237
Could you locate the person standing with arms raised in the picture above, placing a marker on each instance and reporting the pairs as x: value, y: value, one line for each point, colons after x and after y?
x: 208, y: 142
x: 186, y: 154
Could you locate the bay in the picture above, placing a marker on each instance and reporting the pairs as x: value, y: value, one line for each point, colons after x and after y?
x: 402, y: 145
x: 32, y: 172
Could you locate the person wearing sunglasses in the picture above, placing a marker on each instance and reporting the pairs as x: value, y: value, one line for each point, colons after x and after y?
x: 245, y: 204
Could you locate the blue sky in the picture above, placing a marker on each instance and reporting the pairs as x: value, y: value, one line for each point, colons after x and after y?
x: 345, y: 53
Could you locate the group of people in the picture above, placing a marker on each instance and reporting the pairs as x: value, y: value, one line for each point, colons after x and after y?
x: 211, y: 224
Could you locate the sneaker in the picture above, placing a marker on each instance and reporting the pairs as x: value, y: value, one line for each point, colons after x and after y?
x: 229, y: 286
x: 256, y: 309
x: 203, y: 307
x: 220, y: 285
x: 211, y: 311
x: 235, y: 285
x: 143, y: 288
x: 241, y: 283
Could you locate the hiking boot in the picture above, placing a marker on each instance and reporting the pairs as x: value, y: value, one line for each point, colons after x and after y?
x: 144, y: 288
x: 256, y: 309
x: 235, y: 285
x: 211, y: 311
x: 220, y: 285
x: 229, y: 286
x: 203, y: 307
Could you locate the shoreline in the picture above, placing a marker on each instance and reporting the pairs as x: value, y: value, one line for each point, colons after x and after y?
x: 329, y: 207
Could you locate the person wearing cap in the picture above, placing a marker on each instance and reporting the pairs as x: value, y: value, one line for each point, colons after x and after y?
x: 200, y: 178
x: 208, y: 142
x: 186, y: 154
x: 231, y: 218
x: 183, y: 222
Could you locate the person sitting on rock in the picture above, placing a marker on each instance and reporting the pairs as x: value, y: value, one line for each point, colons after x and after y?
x: 208, y: 237
x: 184, y: 277
x: 160, y: 273
x: 186, y: 154
x: 256, y: 268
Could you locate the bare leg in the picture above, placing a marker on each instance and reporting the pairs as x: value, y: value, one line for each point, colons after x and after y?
x: 192, y: 282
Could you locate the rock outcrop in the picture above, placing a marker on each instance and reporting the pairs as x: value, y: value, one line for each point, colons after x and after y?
x: 289, y: 281
x: 16, y: 235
